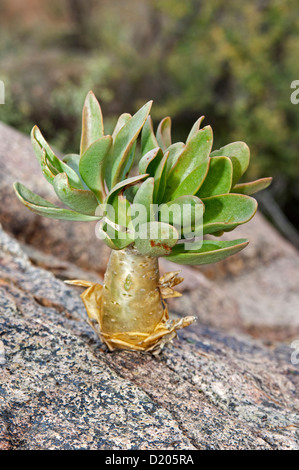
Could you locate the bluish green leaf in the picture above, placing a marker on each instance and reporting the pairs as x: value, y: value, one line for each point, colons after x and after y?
x: 120, y: 215
x: 193, y: 160
x: 163, y: 135
x: 102, y: 230
x: 160, y: 179
x: 150, y: 161
x: 45, y: 208
x: 210, y: 252
x: 122, y: 120
x: 72, y: 160
x: 252, y: 187
x: 185, y: 213
x: 48, y: 171
x: 92, y: 122
x: 80, y: 200
x: 195, y: 129
x: 191, y: 184
x: 122, y: 145
x: 175, y: 151
x: 218, y: 179
x: 42, y: 148
x: 122, y: 186
x: 227, y: 211
x: 156, y: 238
x: 91, y: 166
x: 144, y: 197
x: 239, y: 154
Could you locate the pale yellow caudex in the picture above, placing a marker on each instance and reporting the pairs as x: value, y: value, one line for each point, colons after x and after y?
x: 129, y: 311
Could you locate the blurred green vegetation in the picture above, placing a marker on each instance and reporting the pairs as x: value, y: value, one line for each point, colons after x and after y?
x: 230, y: 61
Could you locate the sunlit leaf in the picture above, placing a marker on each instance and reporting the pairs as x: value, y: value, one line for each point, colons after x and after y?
x: 45, y: 208
x: 252, y: 187
x: 156, y: 238
x: 185, y: 213
x: 91, y: 166
x: 122, y: 186
x: 227, y: 211
x: 160, y: 179
x: 150, y: 161
x: 194, y: 129
x: 194, y: 158
x: 175, y: 151
x: 80, y: 200
x: 122, y: 120
x: 218, y: 179
x: 163, y: 134
x: 210, y: 252
x: 42, y: 149
x: 239, y: 154
x: 122, y: 145
x: 92, y: 122
x: 72, y: 160
x: 144, y: 197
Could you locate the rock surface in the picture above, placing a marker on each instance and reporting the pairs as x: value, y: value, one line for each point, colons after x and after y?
x: 60, y: 388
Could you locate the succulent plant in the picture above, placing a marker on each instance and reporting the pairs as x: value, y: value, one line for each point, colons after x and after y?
x: 129, y: 311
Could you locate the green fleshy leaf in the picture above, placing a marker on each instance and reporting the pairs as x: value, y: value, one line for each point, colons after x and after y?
x: 175, y: 151
x: 114, y: 206
x: 150, y: 161
x: 72, y: 160
x: 120, y: 215
x: 227, y: 211
x: 80, y: 200
x: 45, y: 208
x: 252, y: 187
x: 130, y: 193
x: 185, y: 213
x: 122, y: 186
x: 101, y: 232
x: 148, y: 138
x: 144, y: 197
x: 42, y: 148
x: 210, y: 252
x: 239, y: 154
x: 91, y: 166
x: 160, y: 179
x: 156, y: 238
x: 219, y: 178
x: 192, y: 183
x: 92, y: 122
x: 194, y: 158
x: 122, y: 146
x: 163, y: 135
x: 195, y: 129
x: 48, y: 171
x: 122, y: 120
x: 130, y: 161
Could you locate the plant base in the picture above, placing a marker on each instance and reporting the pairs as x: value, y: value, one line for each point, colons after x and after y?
x: 129, y: 311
